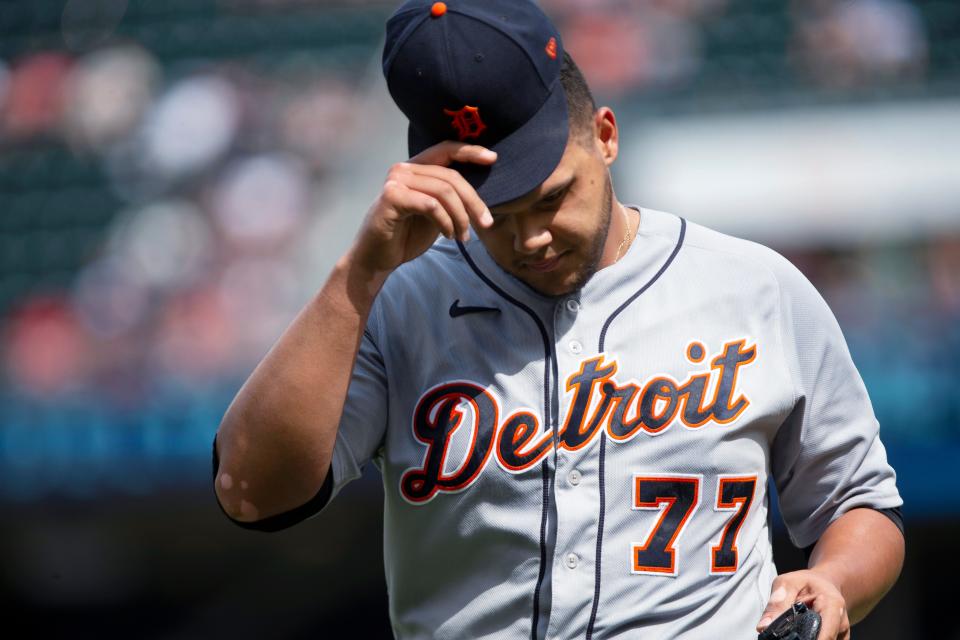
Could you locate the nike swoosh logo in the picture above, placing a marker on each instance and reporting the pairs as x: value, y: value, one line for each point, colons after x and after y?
x: 456, y: 310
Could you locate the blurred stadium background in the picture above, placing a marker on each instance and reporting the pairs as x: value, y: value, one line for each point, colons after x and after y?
x: 178, y: 176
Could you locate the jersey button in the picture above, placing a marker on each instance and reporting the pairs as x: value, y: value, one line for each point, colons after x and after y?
x: 575, y: 347
x: 574, y: 477
x: 573, y: 306
x: 572, y: 560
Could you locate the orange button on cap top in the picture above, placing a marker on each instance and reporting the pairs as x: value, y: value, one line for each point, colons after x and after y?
x: 438, y: 9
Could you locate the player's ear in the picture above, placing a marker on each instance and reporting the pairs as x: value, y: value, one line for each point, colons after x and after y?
x: 606, y: 134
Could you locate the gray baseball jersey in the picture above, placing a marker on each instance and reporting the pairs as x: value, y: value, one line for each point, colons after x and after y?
x: 596, y: 466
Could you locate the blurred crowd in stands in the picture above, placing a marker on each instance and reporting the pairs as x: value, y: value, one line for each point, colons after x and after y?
x: 162, y: 166
x: 628, y: 46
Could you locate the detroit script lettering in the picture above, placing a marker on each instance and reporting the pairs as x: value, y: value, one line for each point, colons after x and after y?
x: 598, y: 403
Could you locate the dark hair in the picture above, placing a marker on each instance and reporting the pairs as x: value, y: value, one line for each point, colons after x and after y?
x: 580, y: 103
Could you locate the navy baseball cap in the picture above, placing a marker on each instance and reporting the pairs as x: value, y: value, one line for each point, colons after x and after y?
x: 485, y: 72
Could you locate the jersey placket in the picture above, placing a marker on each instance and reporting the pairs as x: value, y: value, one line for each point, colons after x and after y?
x: 575, y: 490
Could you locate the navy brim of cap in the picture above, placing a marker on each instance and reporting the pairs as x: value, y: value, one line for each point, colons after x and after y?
x: 525, y: 158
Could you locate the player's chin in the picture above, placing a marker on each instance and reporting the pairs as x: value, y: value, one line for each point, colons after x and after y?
x: 556, y: 284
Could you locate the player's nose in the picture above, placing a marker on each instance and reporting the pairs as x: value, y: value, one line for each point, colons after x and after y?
x: 531, y: 238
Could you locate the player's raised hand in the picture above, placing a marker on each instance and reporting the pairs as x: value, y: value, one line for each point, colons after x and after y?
x: 422, y: 198
x: 818, y: 593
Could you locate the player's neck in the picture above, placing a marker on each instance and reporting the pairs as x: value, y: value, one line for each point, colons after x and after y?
x: 624, y: 222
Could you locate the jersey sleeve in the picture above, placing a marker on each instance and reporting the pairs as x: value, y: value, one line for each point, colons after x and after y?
x: 364, y: 419
x: 827, y: 457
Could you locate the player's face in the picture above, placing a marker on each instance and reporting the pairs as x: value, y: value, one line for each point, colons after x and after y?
x: 556, y: 237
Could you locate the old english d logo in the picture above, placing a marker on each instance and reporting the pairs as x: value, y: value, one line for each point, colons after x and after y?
x: 467, y: 122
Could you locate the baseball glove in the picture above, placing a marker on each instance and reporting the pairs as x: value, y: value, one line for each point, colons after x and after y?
x: 796, y: 623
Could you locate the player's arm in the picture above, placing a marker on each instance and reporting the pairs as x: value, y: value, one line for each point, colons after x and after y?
x: 862, y: 553
x: 275, y: 442
x: 853, y: 565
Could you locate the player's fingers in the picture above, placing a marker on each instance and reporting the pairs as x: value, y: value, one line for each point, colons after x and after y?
x: 400, y: 173
x: 449, y: 151
x: 475, y: 207
x: 845, y: 629
x: 406, y: 201
x: 782, y: 597
x: 834, y: 622
x: 472, y: 153
x: 448, y: 196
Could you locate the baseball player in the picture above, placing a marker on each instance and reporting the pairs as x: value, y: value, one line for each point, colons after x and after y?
x: 576, y: 405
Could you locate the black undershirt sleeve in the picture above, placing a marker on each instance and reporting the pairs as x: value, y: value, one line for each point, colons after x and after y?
x: 286, y: 519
